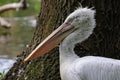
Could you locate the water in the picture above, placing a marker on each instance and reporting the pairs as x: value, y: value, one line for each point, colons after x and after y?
x: 13, y: 41
x: 5, y: 64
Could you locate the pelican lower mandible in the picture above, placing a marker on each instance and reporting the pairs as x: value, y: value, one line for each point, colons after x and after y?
x: 77, y: 27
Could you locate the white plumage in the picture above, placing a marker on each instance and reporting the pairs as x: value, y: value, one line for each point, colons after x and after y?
x: 77, y: 27
x: 90, y: 67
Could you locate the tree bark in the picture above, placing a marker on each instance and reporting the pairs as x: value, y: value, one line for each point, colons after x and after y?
x: 104, y: 41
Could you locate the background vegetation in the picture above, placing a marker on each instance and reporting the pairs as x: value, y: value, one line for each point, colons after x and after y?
x: 16, y: 38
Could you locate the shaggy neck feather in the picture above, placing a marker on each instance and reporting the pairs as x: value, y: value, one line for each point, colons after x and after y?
x: 67, y: 46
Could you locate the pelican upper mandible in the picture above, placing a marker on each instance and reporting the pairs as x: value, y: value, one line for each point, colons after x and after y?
x: 77, y: 27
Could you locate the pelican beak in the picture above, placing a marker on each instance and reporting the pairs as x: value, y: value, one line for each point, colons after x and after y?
x: 51, y: 41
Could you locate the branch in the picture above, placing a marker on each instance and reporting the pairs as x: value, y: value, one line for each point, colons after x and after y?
x: 21, y: 5
x: 4, y: 23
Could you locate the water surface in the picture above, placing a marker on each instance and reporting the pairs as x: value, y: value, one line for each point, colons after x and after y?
x: 14, y: 40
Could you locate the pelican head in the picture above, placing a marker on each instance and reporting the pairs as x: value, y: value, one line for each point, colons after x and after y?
x: 81, y: 17
x: 77, y: 20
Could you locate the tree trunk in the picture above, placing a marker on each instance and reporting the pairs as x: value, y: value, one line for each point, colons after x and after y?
x: 104, y: 41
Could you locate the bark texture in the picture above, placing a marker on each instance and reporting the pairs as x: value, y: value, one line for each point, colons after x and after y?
x: 105, y: 40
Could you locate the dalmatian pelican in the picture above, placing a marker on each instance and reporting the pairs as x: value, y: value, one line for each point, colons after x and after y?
x: 77, y: 27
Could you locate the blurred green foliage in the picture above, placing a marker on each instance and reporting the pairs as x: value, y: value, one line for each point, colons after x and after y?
x: 2, y: 2
x: 1, y: 75
x: 34, y: 7
x: 21, y: 32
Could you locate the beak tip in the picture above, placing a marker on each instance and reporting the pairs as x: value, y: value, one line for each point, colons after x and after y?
x: 25, y: 60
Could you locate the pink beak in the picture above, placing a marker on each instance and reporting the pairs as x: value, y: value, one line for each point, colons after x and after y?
x: 51, y: 41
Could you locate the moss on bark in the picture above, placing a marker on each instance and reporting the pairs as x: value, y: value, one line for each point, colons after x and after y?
x: 104, y: 41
